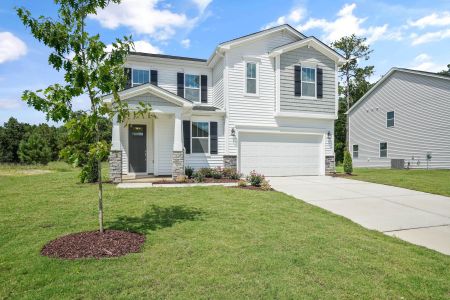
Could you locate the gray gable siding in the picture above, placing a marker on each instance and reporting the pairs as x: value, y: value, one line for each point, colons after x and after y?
x: 151, y: 99
x: 422, y: 122
x: 291, y: 103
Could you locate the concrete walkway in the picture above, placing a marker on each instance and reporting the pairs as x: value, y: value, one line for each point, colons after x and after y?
x: 416, y: 217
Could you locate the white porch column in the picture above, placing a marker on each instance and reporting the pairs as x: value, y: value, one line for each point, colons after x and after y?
x: 177, y: 137
x: 115, y: 143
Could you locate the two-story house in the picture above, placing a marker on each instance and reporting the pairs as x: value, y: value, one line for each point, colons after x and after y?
x: 266, y: 101
x: 404, y: 117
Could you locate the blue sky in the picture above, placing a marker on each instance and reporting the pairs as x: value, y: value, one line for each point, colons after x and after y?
x: 413, y: 34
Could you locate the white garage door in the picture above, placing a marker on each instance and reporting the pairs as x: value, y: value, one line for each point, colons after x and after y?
x: 280, y: 154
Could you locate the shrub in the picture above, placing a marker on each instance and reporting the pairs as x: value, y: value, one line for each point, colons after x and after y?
x: 265, y: 185
x: 34, y: 150
x: 206, y: 172
x: 189, y: 171
x: 181, y: 178
x: 255, y: 179
x: 217, y: 173
x: 231, y: 173
x: 348, y: 164
x: 242, y: 183
x: 89, y: 172
x: 199, y: 177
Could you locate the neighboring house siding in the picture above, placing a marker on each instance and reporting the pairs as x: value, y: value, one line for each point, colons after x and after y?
x: 164, y: 130
x: 168, y: 69
x: 209, y: 161
x: 422, y: 122
x: 217, y: 83
x: 149, y: 99
x: 291, y: 103
x: 253, y: 110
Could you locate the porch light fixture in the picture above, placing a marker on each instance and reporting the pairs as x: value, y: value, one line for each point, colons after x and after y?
x: 329, y: 135
x: 233, y: 132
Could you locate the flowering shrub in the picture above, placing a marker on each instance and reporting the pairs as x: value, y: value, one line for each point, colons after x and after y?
x: 255, y: 179
x: 242, y: 183
x: 265, y: 185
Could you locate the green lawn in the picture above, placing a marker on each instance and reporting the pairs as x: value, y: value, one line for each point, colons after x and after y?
x: 202, y: 243
x: 430, y: 181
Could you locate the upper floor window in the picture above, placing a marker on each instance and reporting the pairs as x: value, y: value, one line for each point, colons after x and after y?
x: 390, y: 116
x: 140, y: 77
x: 383, y: 149
x: 308, y: 82
x: 355, y: 151
x: 192, y: 87
x: 200, y: 137
x: 251, y: 81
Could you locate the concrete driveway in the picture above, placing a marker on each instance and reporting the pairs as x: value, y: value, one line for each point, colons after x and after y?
x: 416, y: 217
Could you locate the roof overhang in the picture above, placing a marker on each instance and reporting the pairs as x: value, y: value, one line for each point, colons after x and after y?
x: 387, y: 75
x: 223, y: 47
x: 309, y: 42
x: 152, y: 89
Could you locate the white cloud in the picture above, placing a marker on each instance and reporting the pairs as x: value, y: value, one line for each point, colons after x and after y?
x: 294, y: 16
x: 424, y: 62
x: 186, y: 43
x: 202, y: 4
x: 347, y: 23
x: 428, y: 37
x: 141, y: 46
x: 143, y: 17
x: 11, y: 47
x: 435, y: 19
x: 9, y: 104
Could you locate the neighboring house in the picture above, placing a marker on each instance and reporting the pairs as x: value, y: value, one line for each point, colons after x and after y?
x: 266, y: 102
x: 406, y: 115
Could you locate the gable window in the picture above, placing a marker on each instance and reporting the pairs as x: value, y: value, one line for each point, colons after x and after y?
x: 355, y: 151
x: 192, y: 87
x: 140, y: 77
x: 251, y: 81
x: 200, y: 137
x: 390, y: 119
x: 308, y: 82
x: 383, y: 149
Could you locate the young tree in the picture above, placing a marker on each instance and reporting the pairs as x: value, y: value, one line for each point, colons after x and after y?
x: 88, y: 69
x: 354, y: 77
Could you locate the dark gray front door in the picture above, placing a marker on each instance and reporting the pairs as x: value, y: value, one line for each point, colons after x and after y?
x: 137, y: 141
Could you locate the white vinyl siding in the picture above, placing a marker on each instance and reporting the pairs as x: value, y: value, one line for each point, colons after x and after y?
x: 217, y: 83
x: 422, y: 109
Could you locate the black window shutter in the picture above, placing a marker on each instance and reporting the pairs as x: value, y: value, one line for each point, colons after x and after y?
x: 297, y: 81
x: 187, y: 136
x: 154, y: 77
x: 319, y: 83
x: 127, y: 72
x: 204, y: 88
x: 213, y: 137
x: 180, y: 84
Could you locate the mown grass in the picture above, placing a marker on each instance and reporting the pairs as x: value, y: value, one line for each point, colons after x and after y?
x: 429, y: 181
x: 203, y: 243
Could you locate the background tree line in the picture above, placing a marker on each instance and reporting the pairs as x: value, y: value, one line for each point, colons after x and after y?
x: 39, y: 144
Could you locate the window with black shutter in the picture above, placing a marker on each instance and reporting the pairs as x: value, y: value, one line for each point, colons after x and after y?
x: 213, y: 137
x: 319, y: 83
x: 180, y: 84
x: 187, y: 136
x: 204, y: 88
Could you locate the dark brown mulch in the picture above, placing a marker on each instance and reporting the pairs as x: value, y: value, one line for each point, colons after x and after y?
x: 93, y: 244
x: 206, y: 180
x: 251, y: 187
x: 341, y: 175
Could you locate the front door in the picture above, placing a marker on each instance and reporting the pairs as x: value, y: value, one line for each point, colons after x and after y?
x: 137, y: 145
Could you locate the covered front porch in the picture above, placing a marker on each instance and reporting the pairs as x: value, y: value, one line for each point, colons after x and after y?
x: 145, y: 148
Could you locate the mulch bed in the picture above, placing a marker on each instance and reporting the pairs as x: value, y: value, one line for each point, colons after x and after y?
x: 206, y: 180
x: 251, y: 187
x: 93, y: 244
x: 341, y: 175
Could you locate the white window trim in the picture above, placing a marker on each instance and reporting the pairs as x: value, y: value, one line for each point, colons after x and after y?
x: 140, y: 69
x: 353, y: 150
x: 379, y: 149
x: 199, y: 86
x: 389, y: 119
x: 256, y: 62
x: 209, y: 138
x: 308, y: 66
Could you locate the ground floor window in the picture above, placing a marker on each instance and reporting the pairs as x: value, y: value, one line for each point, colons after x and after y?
x: 383, y: 149
x: 200, y: 137
x: 355, y: 151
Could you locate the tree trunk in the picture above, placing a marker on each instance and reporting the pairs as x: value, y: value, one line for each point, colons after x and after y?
x: 100, y: 185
